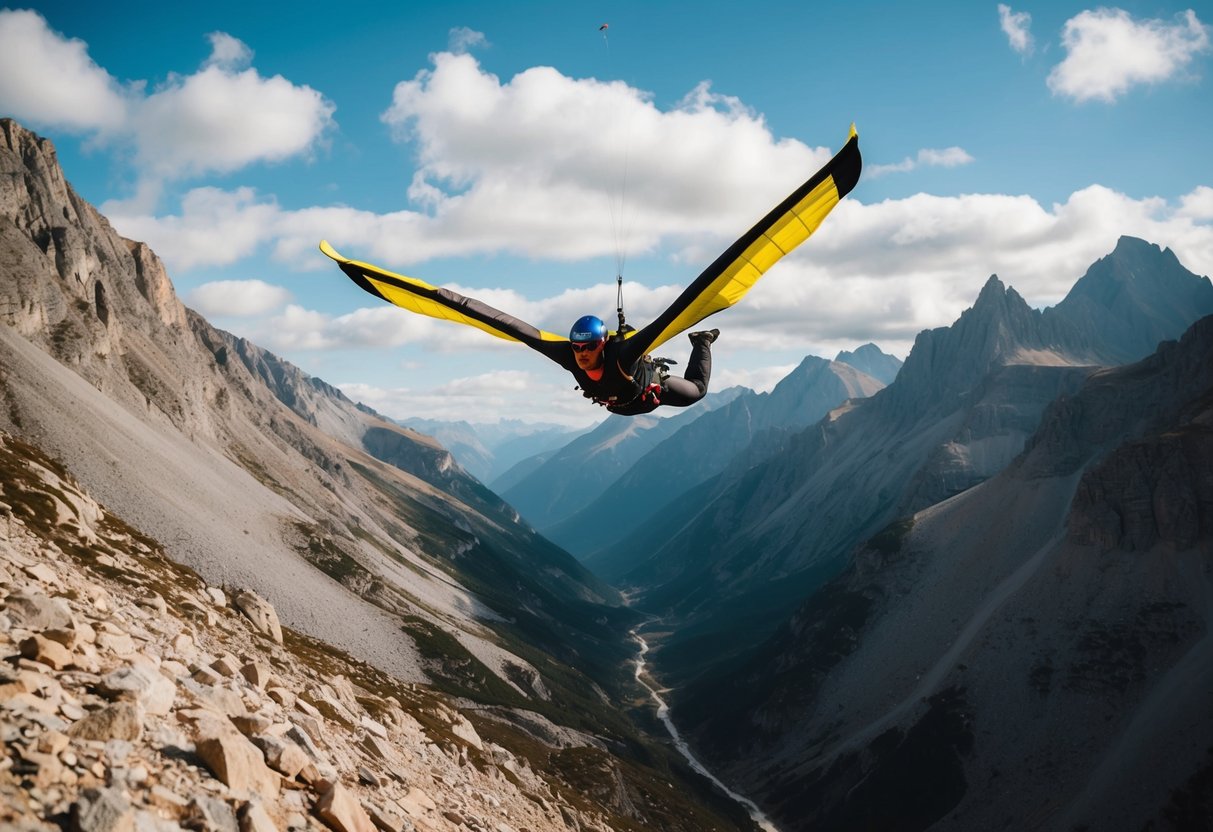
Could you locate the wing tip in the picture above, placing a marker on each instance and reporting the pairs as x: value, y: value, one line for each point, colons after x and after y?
x: 848, y: 164
x: 331, y: 252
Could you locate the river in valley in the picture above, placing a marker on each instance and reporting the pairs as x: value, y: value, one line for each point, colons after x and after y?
x: 663, y: 713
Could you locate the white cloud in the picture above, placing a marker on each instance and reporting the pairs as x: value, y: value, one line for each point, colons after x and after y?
x: 536, y: 165
x: 237, y: 298
x: 219, y: 119
x: 1016, y: 26
x: 215, y: 227
x: 532, y: 397
x: 1199, y: 204
x: 1108, y: 52
x: 228, y: 52
x: 947, y: 157
x: 462, y: 39
x: 50, y: 81
x: 879, y: 272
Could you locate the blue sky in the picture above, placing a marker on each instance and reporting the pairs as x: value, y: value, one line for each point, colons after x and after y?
x: 516, y: 153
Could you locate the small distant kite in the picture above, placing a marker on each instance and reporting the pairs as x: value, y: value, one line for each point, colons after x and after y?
x: 604, y: 27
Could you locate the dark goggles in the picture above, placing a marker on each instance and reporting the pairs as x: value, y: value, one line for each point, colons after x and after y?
x: 588, y: 346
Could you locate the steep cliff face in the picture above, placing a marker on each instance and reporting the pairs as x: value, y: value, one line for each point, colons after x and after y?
x: 104, y: 307
x: 98, y: 303
x: 1034, y: 653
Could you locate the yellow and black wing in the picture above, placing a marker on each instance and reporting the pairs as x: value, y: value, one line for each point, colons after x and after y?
x: 436, y: 302
x: 733, y: 273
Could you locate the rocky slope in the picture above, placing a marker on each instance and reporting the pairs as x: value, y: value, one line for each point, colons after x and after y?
x: 133, y: 695
x: 1035, y: 653
x: 769, y: 531
x: 361, y: 533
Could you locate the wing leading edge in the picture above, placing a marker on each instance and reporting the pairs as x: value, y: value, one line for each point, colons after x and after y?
x: 735, y: 271
x: 419, y: 296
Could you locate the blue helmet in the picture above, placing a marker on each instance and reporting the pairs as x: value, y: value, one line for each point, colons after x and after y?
x: 587, y: 329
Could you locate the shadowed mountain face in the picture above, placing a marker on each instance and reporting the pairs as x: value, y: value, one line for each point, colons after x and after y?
x: 572, y: 477
x: 361, y: 533
x: 768, y: 531
x: 1036, y: 653
x: 697, y: 452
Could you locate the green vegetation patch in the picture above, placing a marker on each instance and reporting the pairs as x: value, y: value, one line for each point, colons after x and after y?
x: 322, y: 552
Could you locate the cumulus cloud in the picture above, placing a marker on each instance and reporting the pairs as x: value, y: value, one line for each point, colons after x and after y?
x: 463, y: 39
x: 50, y: 81
x: 1198, y: 205
x: 237, y: 298
x: 221, y: 118
x: 535, y: 165
x: 928, y: 157
x: 228, y: 52
x: 1017, y: 27
x: 536, y: 397
x: 880, y: 272
x: 1108, y: 53
x: 215, y: 227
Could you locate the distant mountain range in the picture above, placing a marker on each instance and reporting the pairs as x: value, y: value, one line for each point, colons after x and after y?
x: 622, y: 468
x: 553, y: 488
x: 489, y: 450
x: 699, y: 451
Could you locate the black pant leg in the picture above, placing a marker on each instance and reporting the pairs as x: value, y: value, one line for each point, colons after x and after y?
x: 680, y: 392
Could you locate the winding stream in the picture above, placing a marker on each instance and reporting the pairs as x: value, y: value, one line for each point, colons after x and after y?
x: 663, y: 713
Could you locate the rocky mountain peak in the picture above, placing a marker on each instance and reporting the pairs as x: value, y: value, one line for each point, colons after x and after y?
x: 871, y: 360
x: 106, y: 285
x: 948, y: 361
x: 1130, y: 300
x: 1134, y: 265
